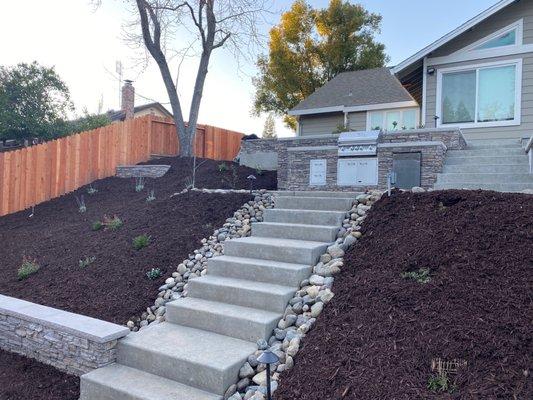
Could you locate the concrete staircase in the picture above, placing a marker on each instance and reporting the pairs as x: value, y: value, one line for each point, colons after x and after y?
x: 197, y: 353
x: 500, y: 165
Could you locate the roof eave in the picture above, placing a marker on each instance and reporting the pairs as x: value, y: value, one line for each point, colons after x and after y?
x: 366, y: 107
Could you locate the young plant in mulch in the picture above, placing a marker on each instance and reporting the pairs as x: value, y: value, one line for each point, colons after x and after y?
x: 141, y: 242
x: 86, y: 261
x: 420, y: 276
x: 439, y: 383
x: 80, y: 201
x: 91, y: 190
x: 259, y: 171
x: 151, y: 196
x: 222, y: 167
x: 154, y: 273
x: 97, y: 225
x: 29, y: 267
x: 113, y: 223
x: 139, y: 184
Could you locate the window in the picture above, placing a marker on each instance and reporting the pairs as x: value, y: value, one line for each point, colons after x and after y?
x: 487, y: 95
x: 390, y: 120
x: 506, y: 39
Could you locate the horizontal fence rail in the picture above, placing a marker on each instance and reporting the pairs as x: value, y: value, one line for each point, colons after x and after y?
x: 35, y: 174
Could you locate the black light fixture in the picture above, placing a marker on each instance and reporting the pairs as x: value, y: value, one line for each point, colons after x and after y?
x: 251, y: 178
x: 430, y: 70
x: 268, y: 358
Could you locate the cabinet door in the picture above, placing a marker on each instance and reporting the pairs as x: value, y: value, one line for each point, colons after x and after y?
x: 367, y: 171
x: 347, y: 172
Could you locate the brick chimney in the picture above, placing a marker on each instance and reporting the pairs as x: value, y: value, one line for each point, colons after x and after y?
x: 128, y: 99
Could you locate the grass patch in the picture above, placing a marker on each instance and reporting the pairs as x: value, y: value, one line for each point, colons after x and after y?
x: 29, y: 267
x: 420, y: 276
x: 141, y: 242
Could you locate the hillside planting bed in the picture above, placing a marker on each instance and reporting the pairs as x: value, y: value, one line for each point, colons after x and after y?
x: 100, y: 273
x: 438, y: 275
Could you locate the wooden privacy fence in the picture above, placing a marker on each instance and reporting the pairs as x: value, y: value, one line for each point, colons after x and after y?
x: 39, y: 173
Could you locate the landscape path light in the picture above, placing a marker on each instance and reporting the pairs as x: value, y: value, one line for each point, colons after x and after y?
x: 268, y: 358
x: 251, y: 178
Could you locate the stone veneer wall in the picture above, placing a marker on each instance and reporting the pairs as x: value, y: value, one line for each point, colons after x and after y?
x: 294, y: 155
x: 70, y: 342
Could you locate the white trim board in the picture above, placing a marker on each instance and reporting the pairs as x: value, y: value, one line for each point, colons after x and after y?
x: 349, y: 109
x: 482, y: 54
x: 453, y: 34
x: 518, y: 95
x: 517, y: 25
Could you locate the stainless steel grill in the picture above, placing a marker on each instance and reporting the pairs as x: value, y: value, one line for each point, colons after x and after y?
x: 360, y: 143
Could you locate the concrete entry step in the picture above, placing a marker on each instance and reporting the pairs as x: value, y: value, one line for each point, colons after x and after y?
x: 316, y: 193
x: 284, y: 250
x: 201, y: 359
x: 318, y: 233
x: 260, y: 295
x: 503, y: 151
x: 480, y: 178
x: 119, y: 382
x: 260, y: 270
x: 491, y: 143
x: 491, y: 160
x: 226, y: 319
x: 486, y: 168
x: 307, y: 217
x: 313, y: 203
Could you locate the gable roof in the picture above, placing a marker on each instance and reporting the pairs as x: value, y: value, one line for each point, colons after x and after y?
x: 355, y: 91
x: 452, y: 35
x: 118, y: 115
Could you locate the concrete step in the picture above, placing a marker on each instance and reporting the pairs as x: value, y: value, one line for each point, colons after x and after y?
x: 492, y: 143
x: 259, y: 270
x: 480, y: 178
x: 495, y: 151
x: 284, y: 250
x: 487, y: 168
x: 304, y: 216
x: 314, y: 203
x: 226, y: 319
x: 316, y: 193
x: 118, y: 382
x: 317, y: 233
x: 197, y: 358
x: 246, y: 293
x: 483, y: 160
x: 499, y: 187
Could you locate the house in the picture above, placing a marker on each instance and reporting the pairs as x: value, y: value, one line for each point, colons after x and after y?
x: 457, y: 114
x: 129, y: 110
x: 478, y: 78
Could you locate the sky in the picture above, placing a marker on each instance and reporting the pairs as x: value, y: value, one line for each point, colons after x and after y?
x: 84, y: 44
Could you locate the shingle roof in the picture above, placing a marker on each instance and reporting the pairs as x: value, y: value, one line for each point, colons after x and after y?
x: 357, y: 88
x: 118, y: 115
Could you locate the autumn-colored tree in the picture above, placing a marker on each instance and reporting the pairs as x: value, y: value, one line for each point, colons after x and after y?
x: 308, y: 47
x: 269, y: 131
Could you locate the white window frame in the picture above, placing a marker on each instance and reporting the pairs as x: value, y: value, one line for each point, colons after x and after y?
x: 518, y: 94
x: 517, y: 26
x: 400, y: 125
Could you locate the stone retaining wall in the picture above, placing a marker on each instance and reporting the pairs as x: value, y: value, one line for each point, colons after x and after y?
x: 70, y: 342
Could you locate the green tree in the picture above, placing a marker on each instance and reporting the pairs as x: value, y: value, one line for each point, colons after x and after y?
x: 34, y: 102
x: 308, y: 47
x: 269, y: 131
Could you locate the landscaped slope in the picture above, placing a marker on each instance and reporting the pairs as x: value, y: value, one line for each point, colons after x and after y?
x: 378, y: 336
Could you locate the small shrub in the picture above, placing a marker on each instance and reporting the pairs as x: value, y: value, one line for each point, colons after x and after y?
x: 97, y: 225
x: 141, y: 242
x: 86, y: 262
x: 29, y: 267
x: 91, y: 190
x: 259, y: 171
x: 440, y: 383
x: 222, y: 167
x: 421, y: 276
x: 81, y: 204
x: 151, y: 196
x: 139, y: 184
x: 112, y: 223
x: 153, y: 274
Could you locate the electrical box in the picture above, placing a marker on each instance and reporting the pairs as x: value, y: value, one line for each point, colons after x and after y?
x: 357, y: 171
x: 407, y: 169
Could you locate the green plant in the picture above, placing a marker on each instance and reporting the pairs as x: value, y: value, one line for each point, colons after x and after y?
x: 91, y: 190
x: 112, y: 223
x: 141, y: 241
x: 151, y: 196
x: 97, y: 225
x: 139, y: 184
x: 81, y: 204
x: 86, y: 262
x: 440, y: 383
x: 341, y: 128
x: 222, y: 167
x: 259, y: 171
x: 29, y: 267
x: 154, y: 273
x: 421, y: 276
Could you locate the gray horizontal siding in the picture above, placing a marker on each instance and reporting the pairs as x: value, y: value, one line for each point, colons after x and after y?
x: 357, y: 121
x: 526, y: 126
x: 320, y: 124
x: 507, y: 16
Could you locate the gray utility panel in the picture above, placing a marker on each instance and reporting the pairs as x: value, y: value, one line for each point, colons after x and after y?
x: 407, y: 169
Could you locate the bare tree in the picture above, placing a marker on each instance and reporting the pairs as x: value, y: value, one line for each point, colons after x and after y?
x: 213, y: 24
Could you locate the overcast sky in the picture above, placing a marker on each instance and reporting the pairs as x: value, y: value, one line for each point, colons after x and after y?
x: 84, y: 45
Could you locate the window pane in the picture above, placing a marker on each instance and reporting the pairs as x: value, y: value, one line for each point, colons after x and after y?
x: 458, y: 97
x: 507, y: 39
x: 393, y: 120
x: 409, y: 119
x: 376, y: 120
x: 496, y: 94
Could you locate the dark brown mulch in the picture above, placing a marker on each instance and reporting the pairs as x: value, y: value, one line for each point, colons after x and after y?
x: 22, y: 378
x: 377, y: 337
x: 115, y: 286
